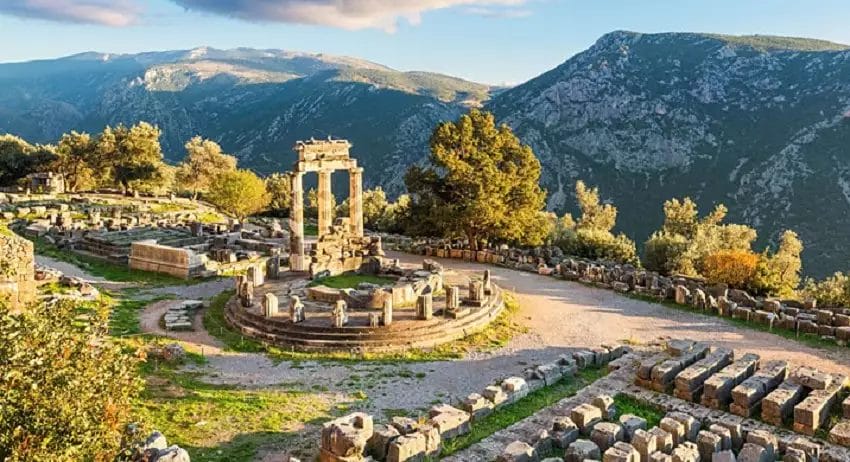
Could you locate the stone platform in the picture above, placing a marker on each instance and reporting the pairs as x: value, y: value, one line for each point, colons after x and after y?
x: 318, y: 332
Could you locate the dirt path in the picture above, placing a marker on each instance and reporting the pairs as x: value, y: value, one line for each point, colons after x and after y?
x: 197, y: 341
x: 567, y: 314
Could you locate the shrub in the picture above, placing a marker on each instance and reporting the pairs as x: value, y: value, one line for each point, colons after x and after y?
x: 734, y: 267
x: 833, y: 291
x: 66, y: 387
x: 663, y: 252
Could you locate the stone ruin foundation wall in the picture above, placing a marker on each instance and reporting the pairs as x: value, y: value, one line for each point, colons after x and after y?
x: 17, y: 270
x: 149, y: 256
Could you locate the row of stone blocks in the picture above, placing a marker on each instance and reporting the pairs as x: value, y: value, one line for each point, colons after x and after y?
x: 355, y: 438
x: 745, y: 385
x: 679, y: 437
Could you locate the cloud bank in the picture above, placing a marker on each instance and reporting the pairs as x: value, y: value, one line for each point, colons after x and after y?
x: 343, y: 14
x: 116, y: 13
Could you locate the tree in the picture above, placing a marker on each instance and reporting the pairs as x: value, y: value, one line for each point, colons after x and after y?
x: 19, y: 159
x: 133, y: 156
x: 240, y: 193
x: 374, y: 206
x: 685, y: 240
x: 779, y: 273
x: 68, y: 390
x: 591, y: 236
x: 482, y: 184
x: 204, y: 162
x: 75, y: 153
x: 279, y: 187
x: 832, y: 292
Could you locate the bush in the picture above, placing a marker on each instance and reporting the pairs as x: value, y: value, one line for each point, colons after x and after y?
x: 663, y: 252
x: 599, y: 245
x: 734, y: 267
x: 833, y: 291
x: 66, y: 388
x: 240, y: 193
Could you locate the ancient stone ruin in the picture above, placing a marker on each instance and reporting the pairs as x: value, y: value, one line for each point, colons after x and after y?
x: 17, y: 270
x: 341, y: 245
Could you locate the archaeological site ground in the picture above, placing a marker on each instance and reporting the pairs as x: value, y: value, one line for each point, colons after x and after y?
x: 265, y: 342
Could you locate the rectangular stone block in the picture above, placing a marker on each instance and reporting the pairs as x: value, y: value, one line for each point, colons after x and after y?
x: 690, y: 381
x: 717, y: 389
x: 747, y: 395
x: 779, y: 404
x: 813, y: 411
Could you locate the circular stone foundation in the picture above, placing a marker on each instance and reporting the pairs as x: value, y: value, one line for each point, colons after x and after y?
x: 317, y: 332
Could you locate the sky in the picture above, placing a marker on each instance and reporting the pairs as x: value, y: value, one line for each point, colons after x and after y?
x: 489, y: 41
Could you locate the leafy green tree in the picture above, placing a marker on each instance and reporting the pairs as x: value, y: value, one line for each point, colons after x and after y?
x: 76, y: 153
x: 779, y: 273
x: 481, y: 184
x: 133, y: 156
x: 375, y: 204
x: 279, y: 187
x: 19, y: 159
x: 591, y: 236
x: 686, y: 240
x: 395, y: 216
x: 240, y: 193
x: 204, y: 162
x: 68, y: 390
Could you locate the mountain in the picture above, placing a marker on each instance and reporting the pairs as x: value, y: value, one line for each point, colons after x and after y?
x: 761, y: 124
x: 255, y: 103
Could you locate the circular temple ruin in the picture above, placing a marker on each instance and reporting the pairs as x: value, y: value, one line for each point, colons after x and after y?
x: 408, y: 307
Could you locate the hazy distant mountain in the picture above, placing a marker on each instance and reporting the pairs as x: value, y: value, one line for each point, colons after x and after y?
x: 256, y: 103
x: 759, y: 123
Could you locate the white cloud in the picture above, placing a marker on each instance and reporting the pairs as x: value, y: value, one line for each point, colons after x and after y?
x: 116, y: 13
x: 343, y: 14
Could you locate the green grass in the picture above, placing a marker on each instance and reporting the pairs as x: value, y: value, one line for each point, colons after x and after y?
x: 310, y: 229
x: 628, y: 405
x: 221, y: 423
x: 512, y: 413
x: 108, y: 270
x: 350, y: 280
x: 495, y: 335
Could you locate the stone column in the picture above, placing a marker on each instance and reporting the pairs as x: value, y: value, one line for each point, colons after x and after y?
x: 297, y: 262
x: 355, y: 200
x: 425, y: 307
x: 325, y: 202
x: 387, y: 312
x: 270, y: 305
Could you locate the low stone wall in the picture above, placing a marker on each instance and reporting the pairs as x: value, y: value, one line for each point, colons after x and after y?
x: 802, y: 317
x: 150, y: 256
x: 17, y: 270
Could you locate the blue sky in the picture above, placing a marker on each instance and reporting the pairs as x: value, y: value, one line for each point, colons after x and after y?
x: 493, y: 41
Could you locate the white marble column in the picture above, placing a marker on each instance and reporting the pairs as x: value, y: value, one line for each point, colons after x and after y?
x: 355, y: 200
x: 325, y: 202
x: 297, y: 262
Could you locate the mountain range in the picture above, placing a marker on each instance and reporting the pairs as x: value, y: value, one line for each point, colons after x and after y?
x: 759, y: 123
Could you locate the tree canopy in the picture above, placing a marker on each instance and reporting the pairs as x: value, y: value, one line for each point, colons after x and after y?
x: 204, y: 162
x: 239, y: 192
x: 481, y: 184
x: 76, y: 155
x: 19, y: 158
x: 133, y: 156
x: 591, y: 236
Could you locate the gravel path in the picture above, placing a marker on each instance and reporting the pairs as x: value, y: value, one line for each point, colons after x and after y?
x: 563, y: 314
